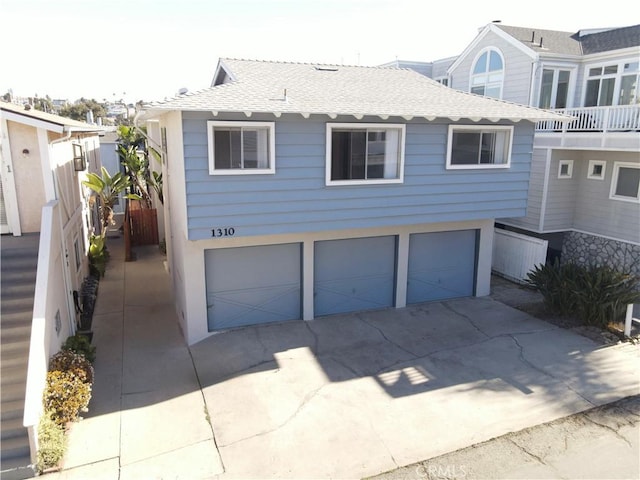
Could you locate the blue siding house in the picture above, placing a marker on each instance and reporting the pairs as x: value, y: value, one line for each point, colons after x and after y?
x: 294, y: 191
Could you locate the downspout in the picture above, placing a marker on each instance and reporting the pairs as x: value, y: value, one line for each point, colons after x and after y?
x: 535, y: 66
x: 67, y: 131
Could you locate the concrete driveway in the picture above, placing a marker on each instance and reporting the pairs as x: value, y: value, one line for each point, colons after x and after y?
x: 355, y: 395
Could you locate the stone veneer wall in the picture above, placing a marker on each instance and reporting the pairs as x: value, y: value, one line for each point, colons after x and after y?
x: 585, y: 249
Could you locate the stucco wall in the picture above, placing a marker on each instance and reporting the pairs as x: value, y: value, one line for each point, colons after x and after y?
x: 27, y: 175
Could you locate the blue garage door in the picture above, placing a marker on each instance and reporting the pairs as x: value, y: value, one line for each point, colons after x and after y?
x: 252, y: 285
x: 441, y: 265
x: 354, y: 274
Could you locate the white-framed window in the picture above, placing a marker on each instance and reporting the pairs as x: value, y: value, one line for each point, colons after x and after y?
x: 565, y: 169
x: 443, y: 80
x: 479, y: 146
x: 554, y: 88
x: 487, y: 74
x: 241, y: 148
x: 625, y: 182
x: 597, y: 169
x: 364, y: 153
x: 612, y: 84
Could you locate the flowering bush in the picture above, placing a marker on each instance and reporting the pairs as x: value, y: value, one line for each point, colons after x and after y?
x: 65, y: 396
x: 69, y: 361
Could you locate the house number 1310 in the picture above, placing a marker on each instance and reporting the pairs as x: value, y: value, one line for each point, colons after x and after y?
x: 223, y: 232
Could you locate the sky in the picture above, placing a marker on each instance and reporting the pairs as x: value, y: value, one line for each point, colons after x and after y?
x: 149, y: 49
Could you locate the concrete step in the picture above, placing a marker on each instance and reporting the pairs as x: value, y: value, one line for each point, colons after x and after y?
x: 9, y: 319
x: 19, y: 288
x: 15, y: 447
x: 13, y: 392
x: 14, y: 373
x: 13, y: 428
x: 17, y: 469
x: 15, y: 333
x: 16, y: 304
x: 12, y: 409
x: 14, y: 359
x: 14, y: 349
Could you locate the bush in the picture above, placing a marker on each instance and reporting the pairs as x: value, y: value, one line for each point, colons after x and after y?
x: 51, y: 444
x: 597, y: 295
x: 69, y: 361
x: 603, y: 294
x: 81, y: 345
x: 65, y: 396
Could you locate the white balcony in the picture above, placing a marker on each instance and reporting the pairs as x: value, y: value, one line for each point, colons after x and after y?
x: 613, y: 127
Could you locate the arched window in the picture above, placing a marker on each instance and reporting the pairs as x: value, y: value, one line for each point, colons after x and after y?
x: 487, y: 74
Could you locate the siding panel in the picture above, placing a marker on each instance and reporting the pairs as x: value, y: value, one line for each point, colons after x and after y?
x: 296, y: 199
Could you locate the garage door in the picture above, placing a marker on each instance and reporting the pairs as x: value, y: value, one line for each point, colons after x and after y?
x: 441, y: 265
x: 252, y: 285
x: 354, y: 274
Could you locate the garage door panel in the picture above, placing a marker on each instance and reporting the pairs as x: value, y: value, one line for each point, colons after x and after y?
x: 441, y: 265
x: 354, y: 274
x: 253, y: 285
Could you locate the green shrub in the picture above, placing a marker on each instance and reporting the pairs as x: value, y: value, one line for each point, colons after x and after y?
x: 556, y: 283
x: 69, y: 361
x: 51, y: 444
x: 603, y: 294
x: 597, y: 295
x: 81, y: 345
x: 65, y: 396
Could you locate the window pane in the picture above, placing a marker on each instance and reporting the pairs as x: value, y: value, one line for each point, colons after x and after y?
x: 491, y: 91
x: 606, y: 91
x: 348, y: 150
x: 610, y: 69
x: 495, y: 62
x: 464, y: 149
x: 562, y: 91
x: 546, y: 89
x: 487, y: 147
x: 591, y: 97
x: 358, y: 155
x: 375, y: 154
x: 477, y: 90
x: 250, y: 148
x: 340, y: 154
x: 628, y: 87
x: 227, y: 149
x: 628, y: 182
x: 481, y: 64
x: 594, y: 72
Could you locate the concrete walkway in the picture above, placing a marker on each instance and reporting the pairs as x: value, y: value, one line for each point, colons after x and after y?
x: 348, y: 396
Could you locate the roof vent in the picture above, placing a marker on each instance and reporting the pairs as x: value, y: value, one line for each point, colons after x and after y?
x: 322, y: 68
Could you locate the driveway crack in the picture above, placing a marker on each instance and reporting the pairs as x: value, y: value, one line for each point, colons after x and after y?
x: 387, y: 339
x: 527, y: 362
x: 307, y: 398
x: 611, y: 429
x: 466, y: 317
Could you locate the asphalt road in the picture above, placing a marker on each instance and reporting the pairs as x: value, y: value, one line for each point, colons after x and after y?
x: 601, y: 443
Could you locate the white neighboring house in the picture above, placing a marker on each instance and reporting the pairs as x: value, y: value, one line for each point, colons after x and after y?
x: 44, y: 159
x: 584, y: 192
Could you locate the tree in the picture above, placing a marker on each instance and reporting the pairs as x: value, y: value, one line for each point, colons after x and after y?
x: 134, y: 156
x: 78, y: 110
x: 43, y: 104
x: 105, y: 190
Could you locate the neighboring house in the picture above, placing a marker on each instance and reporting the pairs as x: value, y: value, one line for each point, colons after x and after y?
x: 294, y: 191
x: 43, y: 160
x: 111, y: 161
x: 584, y: 195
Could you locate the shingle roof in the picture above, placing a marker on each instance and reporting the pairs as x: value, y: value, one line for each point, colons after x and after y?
x: 73, y: 125
x: 552, y: 41
x: 611, y: 40
x: 280, y: 87
x: 572, y: 43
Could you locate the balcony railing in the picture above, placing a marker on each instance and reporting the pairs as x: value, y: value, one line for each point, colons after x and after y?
x: 621, y: 118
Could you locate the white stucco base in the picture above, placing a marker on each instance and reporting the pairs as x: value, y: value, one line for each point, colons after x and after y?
x: 188, y: 268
